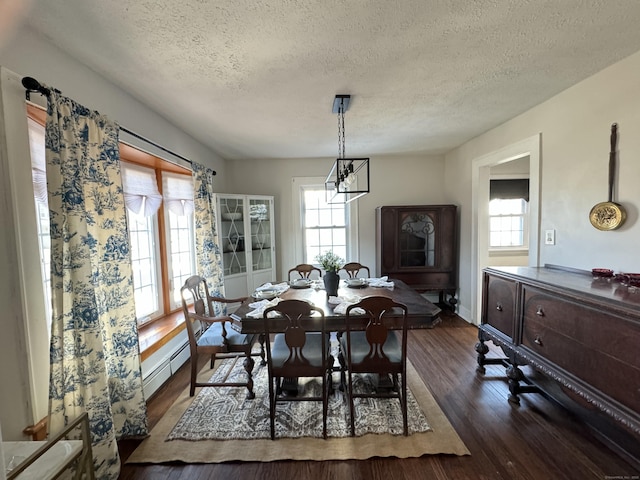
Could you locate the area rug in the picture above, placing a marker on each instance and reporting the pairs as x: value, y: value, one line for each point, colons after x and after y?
x: 226, y: 414
x: 238, y: 429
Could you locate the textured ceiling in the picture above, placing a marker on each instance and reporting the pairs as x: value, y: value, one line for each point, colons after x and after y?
x: 256, y: 79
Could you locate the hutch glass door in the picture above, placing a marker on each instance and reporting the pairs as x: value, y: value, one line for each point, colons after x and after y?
x: 232, y: 235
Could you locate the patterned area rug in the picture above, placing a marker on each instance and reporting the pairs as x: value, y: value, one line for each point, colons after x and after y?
x: 225, y: 413
x: 441, y: 438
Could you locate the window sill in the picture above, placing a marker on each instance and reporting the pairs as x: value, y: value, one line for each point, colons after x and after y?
x: 154, y: 335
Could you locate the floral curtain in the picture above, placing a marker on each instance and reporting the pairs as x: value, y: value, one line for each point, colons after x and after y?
x: 95, y: 363
x: 208, y: 256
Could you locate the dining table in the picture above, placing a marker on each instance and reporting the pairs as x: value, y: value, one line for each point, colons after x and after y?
x: 421, y: 313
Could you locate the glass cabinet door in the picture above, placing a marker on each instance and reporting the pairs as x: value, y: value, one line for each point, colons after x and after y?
x: 261, y: 241
x: 417, y: 239
x: 232, y: 235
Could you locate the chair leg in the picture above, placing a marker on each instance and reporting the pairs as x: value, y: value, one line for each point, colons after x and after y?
x: 403, y: 405
x: 272, y: 408
x: 343, y: 369
x: 194, y: 373
x: 326, y: 382
x: 351, y: 405
x: 330, y: 362
x: 248, y: 366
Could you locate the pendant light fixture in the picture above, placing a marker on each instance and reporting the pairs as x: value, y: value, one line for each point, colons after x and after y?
x: 349, y: 177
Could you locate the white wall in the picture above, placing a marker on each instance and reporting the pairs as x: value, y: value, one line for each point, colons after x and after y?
x: 575, y: 127
x: 399, y: 180
x: 24, y: 345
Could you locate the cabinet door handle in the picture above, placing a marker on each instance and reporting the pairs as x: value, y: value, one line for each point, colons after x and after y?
x: 538, y: 340
x: 540, y: 311
x: 499, y: 307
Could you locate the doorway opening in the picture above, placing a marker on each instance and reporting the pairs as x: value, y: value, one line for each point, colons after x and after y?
x: 481, y: 176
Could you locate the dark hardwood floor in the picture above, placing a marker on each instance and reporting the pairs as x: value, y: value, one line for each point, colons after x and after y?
x: 534, y: 441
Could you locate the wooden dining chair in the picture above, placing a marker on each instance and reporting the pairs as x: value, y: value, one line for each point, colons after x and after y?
x: 372, y: 345
x: 210, y: 334
x: 354, y: 268
x: 301, y: 351
x: 305, y: 270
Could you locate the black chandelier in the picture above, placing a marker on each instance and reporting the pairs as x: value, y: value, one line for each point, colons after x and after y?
x: 349, y: 177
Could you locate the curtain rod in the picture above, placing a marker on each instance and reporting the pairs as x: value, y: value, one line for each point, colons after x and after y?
x: 33, y: 85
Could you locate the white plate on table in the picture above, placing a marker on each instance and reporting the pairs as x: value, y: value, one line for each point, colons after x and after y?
x: 356, y: 282
x: 265, y: 294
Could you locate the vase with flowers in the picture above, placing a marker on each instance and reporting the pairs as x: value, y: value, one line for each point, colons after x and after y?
x: 331, y: 263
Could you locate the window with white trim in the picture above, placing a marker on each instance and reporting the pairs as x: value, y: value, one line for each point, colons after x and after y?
x: 508, y: 223
x: 324, y: 225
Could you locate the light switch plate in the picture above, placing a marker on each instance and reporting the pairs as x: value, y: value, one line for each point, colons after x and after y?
x: 550, y: 237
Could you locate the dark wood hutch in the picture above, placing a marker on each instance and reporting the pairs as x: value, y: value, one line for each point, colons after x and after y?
x: 418, y: 245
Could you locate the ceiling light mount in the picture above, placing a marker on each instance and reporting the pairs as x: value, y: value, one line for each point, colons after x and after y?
x: 349, y: 177
x: 341, y: 103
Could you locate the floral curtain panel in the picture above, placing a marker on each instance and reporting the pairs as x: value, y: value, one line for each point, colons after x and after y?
x: 95, y: 363
x: 208, y: 256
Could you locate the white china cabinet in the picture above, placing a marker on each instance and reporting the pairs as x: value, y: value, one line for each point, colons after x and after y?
x: 246, y: 232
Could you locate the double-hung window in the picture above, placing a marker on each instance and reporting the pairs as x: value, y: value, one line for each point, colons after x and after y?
x: 323, y: 226
x: 508, y: 214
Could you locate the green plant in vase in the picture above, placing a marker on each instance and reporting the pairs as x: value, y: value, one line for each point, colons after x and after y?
x: 331, y: 263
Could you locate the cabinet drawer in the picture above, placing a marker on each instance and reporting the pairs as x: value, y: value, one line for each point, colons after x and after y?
x: 590, y: 343
x: 499, y: 308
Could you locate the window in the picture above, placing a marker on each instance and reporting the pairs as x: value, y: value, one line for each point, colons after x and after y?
x: 36, y: 146
x: 507, y: 222
x: 181, y: 256
x: 146, y: 276
x: 162, y: 237
x: 324, y: 225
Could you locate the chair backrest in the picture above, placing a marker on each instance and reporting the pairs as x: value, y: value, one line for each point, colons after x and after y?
x: 305, y: 270
x: 195, y: 290
x: 353, y: 268
x: 379, y: 319
x: 297, y: 320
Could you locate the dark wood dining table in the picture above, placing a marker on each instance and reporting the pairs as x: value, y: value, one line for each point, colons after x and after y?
x: 421, y: 312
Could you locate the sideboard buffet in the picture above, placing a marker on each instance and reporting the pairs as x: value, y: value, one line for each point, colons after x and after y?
x: 579, y: 337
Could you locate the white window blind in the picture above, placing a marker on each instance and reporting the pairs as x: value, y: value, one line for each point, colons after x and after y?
x: 177, y: 191
x: 38, y: 162
x: 140, y: 189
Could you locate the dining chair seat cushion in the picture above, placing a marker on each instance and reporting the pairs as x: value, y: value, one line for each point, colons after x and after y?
x: 360, y: 347
x: 312, y: 349
x: 212, y: 337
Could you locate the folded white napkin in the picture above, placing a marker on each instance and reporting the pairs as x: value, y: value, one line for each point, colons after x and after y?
x: 260, y: 306
x: 279, y: 287
x: 342, y: 303
x: 381, y: 282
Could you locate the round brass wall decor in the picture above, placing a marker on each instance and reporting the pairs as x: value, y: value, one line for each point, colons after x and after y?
x: 607, y: 216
